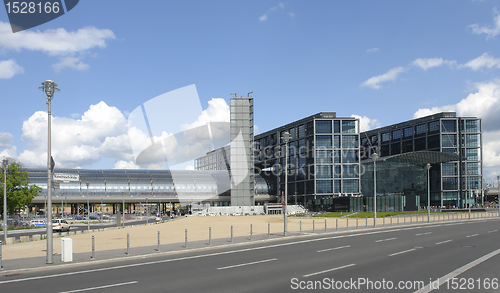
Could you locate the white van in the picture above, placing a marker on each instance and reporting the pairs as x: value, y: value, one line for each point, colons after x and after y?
x: 37, y: 223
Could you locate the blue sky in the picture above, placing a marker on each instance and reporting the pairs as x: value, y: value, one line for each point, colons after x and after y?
x: 386, y: 61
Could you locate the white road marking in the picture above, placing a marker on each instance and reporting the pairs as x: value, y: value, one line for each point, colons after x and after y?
x: 403, y: 251
x: 388, y: 239
x: 458, y: 271
x: 492, y: 231
x: 423, y: 233
x: 330, y: 270
x: 443, y: 242
x: 100, y: 287
x: 472, y: 235
x: 335, y: 248
x: 247, y: 264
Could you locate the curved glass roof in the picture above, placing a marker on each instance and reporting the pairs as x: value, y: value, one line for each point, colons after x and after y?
x: 422, y: 158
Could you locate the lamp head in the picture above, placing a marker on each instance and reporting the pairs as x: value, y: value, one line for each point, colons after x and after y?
x: 49, y: 88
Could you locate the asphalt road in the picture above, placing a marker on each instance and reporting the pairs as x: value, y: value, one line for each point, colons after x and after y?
x: 455, y: 255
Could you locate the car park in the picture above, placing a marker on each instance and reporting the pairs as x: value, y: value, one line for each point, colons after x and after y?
x: 60, y: 225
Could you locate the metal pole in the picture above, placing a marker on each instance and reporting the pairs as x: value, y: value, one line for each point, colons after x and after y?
x: 1, y: 266
x: 251, y: 231
x: 268, y: 230
x: 185, y: 238
x: 93, y: 248
x: 49, y: 189
x: 337, y: 224
x: 286, y: 138
x: 5, y: 162
x: 158, y: 241
x: 325, y: 225
x: 209, y: 235
x: 374, y: 157
x: 468, y: 202
x: 428, y: 193
x: 313, y: 226
x: 128, y: 244
x: 498, y: 192
x: 147, y: 211
x: 300, y: 227
x: 231, y: 233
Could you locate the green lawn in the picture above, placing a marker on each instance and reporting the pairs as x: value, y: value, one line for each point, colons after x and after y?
x: 370, y: 214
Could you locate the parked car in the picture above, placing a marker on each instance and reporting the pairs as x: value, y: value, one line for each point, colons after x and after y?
x: 37, y: 223
x: 60, y: 225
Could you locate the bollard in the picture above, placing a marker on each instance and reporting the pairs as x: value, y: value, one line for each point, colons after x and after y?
x: 251, y: 231
x: 128, y: 244
x: 347, y: 225
x: 337, y: 224
x: 158, y: 249
x: 411, y: 218
x: 391, y: 221
x: 1, y: 266
x: 404, y: 218
x: 93, y: 248
x: 300, y: 227
x: 325, y: 225
x: 366, y: 222
x: 268, y: 230
x: 231, y: 233
x: 357, y: 223
x: 209, y: 235
x: 383, y: 221
x: 313, y: 226
x: 398, y: 220
x: 185, y: 238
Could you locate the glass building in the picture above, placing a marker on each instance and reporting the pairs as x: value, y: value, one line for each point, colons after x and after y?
x: 451, y: 183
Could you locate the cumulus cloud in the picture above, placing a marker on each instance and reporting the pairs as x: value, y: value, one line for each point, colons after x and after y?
x: 426, y: 63
x: 484, y: 60
x: 5, y: 139
x: 70, y: 62
x: 483, y: 103
x: 279, y: 7
x: 366, y: 123
x: 9, y: 68
x: 98, y: 133
x: 126, y: 165
x: 391, y: 75
x: 55, y: 41
x: 490, y: 31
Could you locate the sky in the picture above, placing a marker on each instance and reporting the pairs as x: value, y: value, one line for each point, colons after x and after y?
x: 382, y: 61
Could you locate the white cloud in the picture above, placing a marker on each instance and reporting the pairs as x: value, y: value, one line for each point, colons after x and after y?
x: 9, y: 68
x: 125, y: 165
x: 278, y: 7
x: 392, y: 74
x: 366, y: 123
x: 426, y: 63
x: 5, y: 139
x: 77, y: 142
x: 484, y: 60
x: 189, y: 167
x: 70, y: 62
x: 485, y: 104
x: 490, y: 32
x: 372, y: 50
x: 55, y: 41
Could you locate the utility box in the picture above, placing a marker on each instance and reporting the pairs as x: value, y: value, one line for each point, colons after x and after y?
x: 66, y: 249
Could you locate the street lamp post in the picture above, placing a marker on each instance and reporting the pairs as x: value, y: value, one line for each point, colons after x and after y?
x: 88, y: 208
x: 5, y: 165
x: 374, y: 157
x: 286, y: 137
x: 49, y: 88
x: 428, y: 167
x: 498, y: 192
x: 147, y: 211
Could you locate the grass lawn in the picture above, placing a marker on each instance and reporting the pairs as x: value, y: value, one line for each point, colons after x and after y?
x: 370, y: 214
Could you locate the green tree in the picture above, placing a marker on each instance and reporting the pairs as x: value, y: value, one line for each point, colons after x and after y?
x: 19, y: 194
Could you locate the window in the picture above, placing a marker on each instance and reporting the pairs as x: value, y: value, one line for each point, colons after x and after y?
x: 396, y: 134
x: 336, y: 126
x: 408, y: 132
x: 433, y: 142
x: 472, y: 155
x: 349, y: 156
x: 450, y: 169
x: 323, y: 126
x: 421, y: 129
x: 350, y: 141
x: 324, y: 171
x: 448, y: 126
x: 348, y: 126
x: 472, y: 140
x: 473, y: 168
x: 336, y: 156
x: 386, y: 137
x: 449, y: 140
x: 324, y: 186
x: 323, y: 157
x: 349, y: 171
x: 471, y: 125
x: 302, y: 131
x: 434, y: 127
x: 351, y: 186
x: 337, y: 171
x: 324, y: 141
x: 450, y: 183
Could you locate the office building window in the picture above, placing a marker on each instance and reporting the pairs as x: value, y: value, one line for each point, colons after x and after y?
x: 348, y: 126
x: 324, y: 171
x: 337, y: 171
x: 350, y: 171
x: 351, y: 186
x: 449, y: 126
x: 336, y: 141
x: 349, y: 156
x: 420, y: 129
x: 324, y: 141
x: 450, y: 183
x: 449, y: 140
x: 396, y: 134
x: 336, y: 126
x: 337, y: 186
x: 434, y: 127
x: 433, y: 142
x: 472, y: 155
x: 386, y: 137
x: 420, y: 144
x: 471, y: 126
x: 408, y: 132
x: 323, y: 126
x: 473, y: 168
x: 450, y: 169
x: 349, y: 141
x: 472, y: 140
x: 324, y: 186
x: 336, y: 156
x: 302, y: 131
x: 323, y: 157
